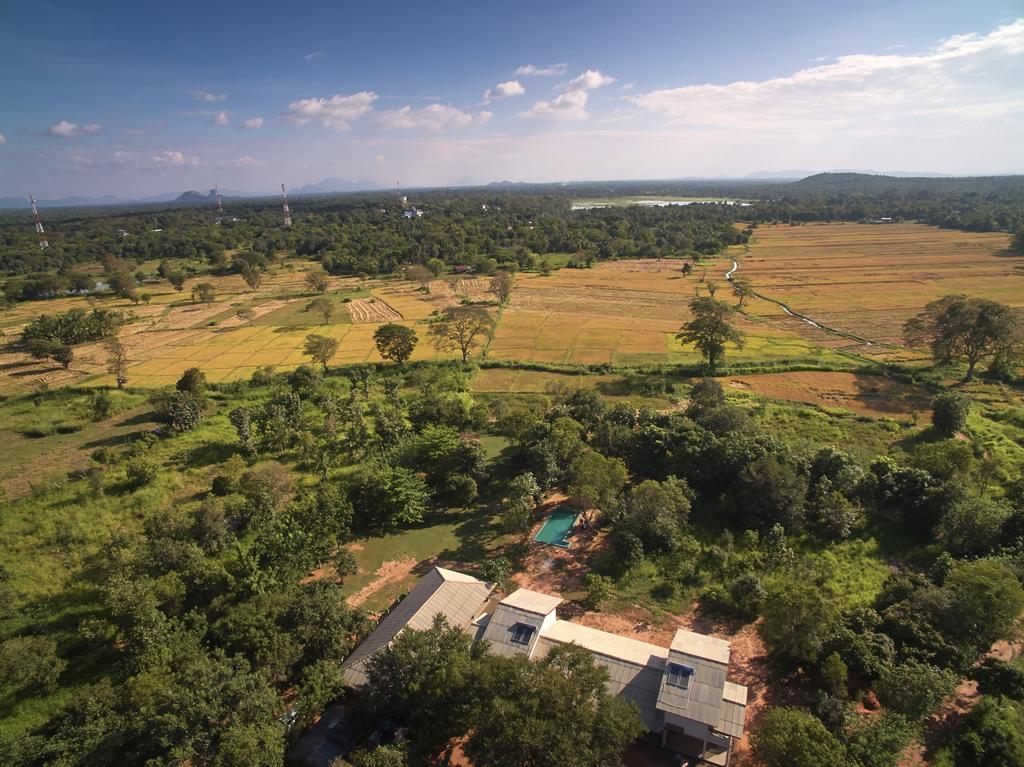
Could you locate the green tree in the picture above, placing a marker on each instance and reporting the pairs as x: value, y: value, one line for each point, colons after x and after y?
x: 799, y: 616
x: 204, y: 293
x: 320, y: 348
x: 789, y: 737
x: 915, y: 688
x: 177, y: 279
x: 949, y: 412
x: 458, y: 328
x: 595, y: 479
x: 395, y: 342
x: 501, y: 285
x: 709, y: 330
x: 117, y: 361
x: 742, y: 288
x: 30, y: 663
x: 984, y: 599
x: 427, y: 681
x: 420, y: 274
x: 390, y: 496
x: 553, y: 711
x: 992, y: 735
x: 381, y: 756
x: 246, y: 315
x: 192, y: 381
x: 323, y: 306
x: 317, y: 280
x: 958, y: 328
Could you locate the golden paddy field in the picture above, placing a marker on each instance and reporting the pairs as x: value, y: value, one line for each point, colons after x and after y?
x: 861, y: 279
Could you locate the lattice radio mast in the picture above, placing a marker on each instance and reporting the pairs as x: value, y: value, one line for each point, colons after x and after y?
x: 287, y: 213
x: 43, y: 244
x: 220, y: 205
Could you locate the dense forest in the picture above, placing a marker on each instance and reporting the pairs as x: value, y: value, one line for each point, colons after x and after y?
x: 367, y: 233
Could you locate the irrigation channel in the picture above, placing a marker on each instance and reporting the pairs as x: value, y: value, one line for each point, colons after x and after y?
x: 791, y: 313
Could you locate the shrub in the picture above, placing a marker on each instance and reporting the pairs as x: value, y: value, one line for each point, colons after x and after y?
x: 599, y: 589
x: 789, y: 737
x: 140, y: 470
x: 914, y: 688
x: 30, y: 663
x: 496, y: 569
x: 949, y: 412
x: 992, y: 735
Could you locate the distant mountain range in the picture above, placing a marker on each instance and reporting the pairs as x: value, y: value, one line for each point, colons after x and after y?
x: 340, y: 185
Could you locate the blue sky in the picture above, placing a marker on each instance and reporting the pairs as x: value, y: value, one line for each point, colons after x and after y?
x: 142, y: 98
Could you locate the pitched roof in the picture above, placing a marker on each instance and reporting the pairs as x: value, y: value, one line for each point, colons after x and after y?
x: 532, y: 601
x: 603, y: 643
x: 456, y: 596
x: 701, y: 646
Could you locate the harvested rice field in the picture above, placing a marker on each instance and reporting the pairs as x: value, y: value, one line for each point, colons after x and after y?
x: 868, y: 279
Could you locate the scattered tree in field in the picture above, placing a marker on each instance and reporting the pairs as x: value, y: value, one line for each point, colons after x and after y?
x: 420, y: 274
x: 395, y: 342
x: 501, y: 285
x: 117, y: 361
x: 459, y: 327
x: 789, y: 737
x: 317, y: 280
x: 246, y: 314
x: 177, y: 279
x: 949, y: 412
x: 252, y: 274
x: 436, y: 266
x: 204, y: 293
x: 961, y: 329
x: 709, y: 330
x: 742, y: 288
x: 1018, y: 241
x: 42, y: 349
x: 712, y: 287
x: 192, y: 381
x: 325, y: 307
x: 320, y: 348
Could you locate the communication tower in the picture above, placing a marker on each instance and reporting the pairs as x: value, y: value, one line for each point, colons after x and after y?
x: 43, y: 244
x: 287, y: 213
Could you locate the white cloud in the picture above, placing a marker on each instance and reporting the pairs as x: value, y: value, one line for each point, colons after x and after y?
x: 966, y: 77
x: 571, y: 104
x: 206, y: 97
x: 566, y: 107
x: 313, y: 55
x: 505, y: 90
x: 92, y: 128
x: 628, y: 86
x: 433, y: 117
x: 135, y: 133
x: 64, y: 129
x: 245, y: 161
x: 174, y: 159
x: 588, y: 81
x: 253, y: 122
x: 336, y: 112
x: 3, y: 140
x: 532, y: 70
x: 219, y: 118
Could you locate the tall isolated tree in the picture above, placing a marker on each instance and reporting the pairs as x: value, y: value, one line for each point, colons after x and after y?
x: 395, y: 342
x: 420, y: 274
x: 322, y: 306
x: 742, y: 288
x: 709, y: 330
x: 459, y: 327
x: 959, y: 328
x: 320, y: 348
x: 501, y: 285
x: 204, y: 293
x: 317, y: 280
x: 117, y: 361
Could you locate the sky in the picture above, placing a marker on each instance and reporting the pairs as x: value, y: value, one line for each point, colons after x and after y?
x: 140, y: 98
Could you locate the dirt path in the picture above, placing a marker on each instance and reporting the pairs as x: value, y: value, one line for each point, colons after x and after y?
x: 964, y: 698
x: 387, y: 573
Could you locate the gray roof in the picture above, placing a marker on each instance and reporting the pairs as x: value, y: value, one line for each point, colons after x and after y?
x: 456, y: 596
x: 501, y: 625
x: 638, y: 682
x: 701, y: 700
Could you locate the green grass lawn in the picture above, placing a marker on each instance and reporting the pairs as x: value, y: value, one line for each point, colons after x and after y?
x: 294, y: 314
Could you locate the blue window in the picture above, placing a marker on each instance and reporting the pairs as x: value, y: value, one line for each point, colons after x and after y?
x: 522, y: 632
x: 679, y: 676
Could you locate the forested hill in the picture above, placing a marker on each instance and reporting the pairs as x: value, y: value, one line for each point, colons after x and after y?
x: 872, y: 184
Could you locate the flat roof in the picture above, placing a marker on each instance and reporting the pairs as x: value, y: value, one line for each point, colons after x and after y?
x: 701, y: 646
x: 532, y: 601
x: 603, y: 643
x: 735, y: 693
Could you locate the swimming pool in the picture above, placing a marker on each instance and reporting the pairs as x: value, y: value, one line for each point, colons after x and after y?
x: 557, y: 527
